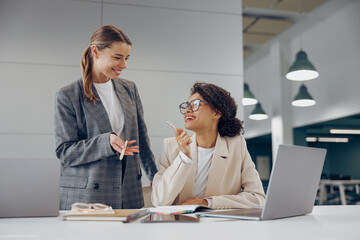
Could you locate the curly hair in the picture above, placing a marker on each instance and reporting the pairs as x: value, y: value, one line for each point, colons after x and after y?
x: 221, y: 101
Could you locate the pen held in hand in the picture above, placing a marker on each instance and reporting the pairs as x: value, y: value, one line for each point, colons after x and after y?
x: 123, y: 151
x: 171, y: 124
x: 174, y: 127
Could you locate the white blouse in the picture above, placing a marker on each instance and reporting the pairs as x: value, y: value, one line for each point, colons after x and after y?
x: 112, y: 106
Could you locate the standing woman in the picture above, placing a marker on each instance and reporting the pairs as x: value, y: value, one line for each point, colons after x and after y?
x: 93, y: 118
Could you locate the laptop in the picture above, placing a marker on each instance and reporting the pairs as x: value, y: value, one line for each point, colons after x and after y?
x: 292, y: 187
x: 29, y: 187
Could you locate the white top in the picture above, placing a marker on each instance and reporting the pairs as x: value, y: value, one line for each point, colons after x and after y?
x: 112, y: 106
x: 203, y: 169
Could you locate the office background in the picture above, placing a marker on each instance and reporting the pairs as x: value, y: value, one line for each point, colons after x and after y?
x: 176, y: 43
x: 330, y: 36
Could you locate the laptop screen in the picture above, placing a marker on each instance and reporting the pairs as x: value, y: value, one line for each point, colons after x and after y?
x: 294, y: 181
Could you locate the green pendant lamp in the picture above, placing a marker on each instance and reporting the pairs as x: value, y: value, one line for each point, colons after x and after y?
x: 302, y: 69
x: 249, y: 98
x: 303, y: 98
x: 258, y: 113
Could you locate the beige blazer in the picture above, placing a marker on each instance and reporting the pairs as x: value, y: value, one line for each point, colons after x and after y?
x: 233, y: 180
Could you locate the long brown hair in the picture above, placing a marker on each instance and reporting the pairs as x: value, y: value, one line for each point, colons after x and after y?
x: 102, y: 38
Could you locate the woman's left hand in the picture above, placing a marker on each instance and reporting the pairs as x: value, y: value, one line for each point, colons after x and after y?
x: 195, y: 201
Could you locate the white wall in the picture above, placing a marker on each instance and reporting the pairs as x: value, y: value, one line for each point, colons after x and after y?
x: 175, y: 43
x: 332, y: 45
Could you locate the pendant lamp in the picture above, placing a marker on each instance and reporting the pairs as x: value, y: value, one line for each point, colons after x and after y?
x: 249, y: 98
x: 302, y: 69
x: 303, y: 98
x: 258, y: 113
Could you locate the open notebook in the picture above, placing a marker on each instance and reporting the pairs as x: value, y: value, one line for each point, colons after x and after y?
x: 178, y: 209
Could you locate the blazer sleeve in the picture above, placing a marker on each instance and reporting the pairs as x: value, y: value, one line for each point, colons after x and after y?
x: 146, y: 155
x: 70, y: 149
x: 170, y: 179
x: 252, y: 193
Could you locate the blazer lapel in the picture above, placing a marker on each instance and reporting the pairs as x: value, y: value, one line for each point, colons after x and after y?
x: 218, y: 166
x: 98, y: 111
x: 189, y: 184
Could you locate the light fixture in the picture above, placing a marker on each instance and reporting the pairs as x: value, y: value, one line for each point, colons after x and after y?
x: 327, y: 139
x: 249, y: 98
x: 302, y: 69
x: 258, y: 113
x: 311, y: 139
x: 337, y: 140
x: 345, y: 131
x: 303, y: 98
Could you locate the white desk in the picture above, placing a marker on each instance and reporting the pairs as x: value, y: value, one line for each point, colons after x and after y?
x: 339, y: 183
x: 326, y: 222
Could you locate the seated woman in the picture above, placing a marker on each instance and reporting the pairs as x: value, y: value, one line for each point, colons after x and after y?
x: 212, y: 167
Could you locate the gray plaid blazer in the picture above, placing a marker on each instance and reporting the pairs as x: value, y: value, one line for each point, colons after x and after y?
x: 91, y: 171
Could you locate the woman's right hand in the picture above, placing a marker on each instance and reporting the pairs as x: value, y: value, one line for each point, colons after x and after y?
x: 183, y: 140
x: 118, y: 144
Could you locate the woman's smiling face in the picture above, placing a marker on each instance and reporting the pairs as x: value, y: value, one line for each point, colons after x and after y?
x: 201, y: 119
x: 112, y: 60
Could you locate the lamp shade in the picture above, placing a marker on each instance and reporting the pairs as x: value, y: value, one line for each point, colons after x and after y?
x: 258, y: 113
x: 302, y: 69
x: 249, y: 98
x: 303, y: 98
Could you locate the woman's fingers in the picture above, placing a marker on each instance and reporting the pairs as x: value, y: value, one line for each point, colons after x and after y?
x: 179, y: 131
x: 131, y: 142
x: 182, y: 135
x: 184, y: 138
x: 118, y: 145
x: 132, y: 149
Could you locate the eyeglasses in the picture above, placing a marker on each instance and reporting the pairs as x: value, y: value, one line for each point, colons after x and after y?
x: 193, y: 104
x: 91, y: 207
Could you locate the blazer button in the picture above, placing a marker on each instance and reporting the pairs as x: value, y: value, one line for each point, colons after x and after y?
x: 96, y: 186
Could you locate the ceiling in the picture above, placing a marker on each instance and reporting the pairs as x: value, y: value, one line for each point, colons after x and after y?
x: 264, y: 19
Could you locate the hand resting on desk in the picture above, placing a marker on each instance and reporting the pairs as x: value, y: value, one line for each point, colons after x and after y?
x: 195, y: 201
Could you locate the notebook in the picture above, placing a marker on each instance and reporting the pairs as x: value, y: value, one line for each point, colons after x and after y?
x: 29, y: 187
x: 292, y: 187
x: 124, y: 215
x: 177, y: 209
